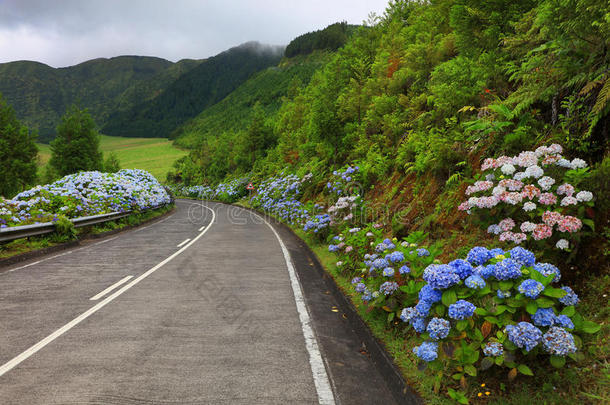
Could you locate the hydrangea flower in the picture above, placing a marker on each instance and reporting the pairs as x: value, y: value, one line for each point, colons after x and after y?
x: 395, y: 257
x: 570, y: 298
x: 584, y: 196
x: 380, y: 263
x: 524, y: 335
x: 388, y: 287
x: 410, y: 313
x: 558, y: 341
x: 438, y: 328
x: 421, y: 252
x: 404, y: 269
x: 485, y: 271
x: 493, y: 349
x: 430, y: 294
x: 419, y: 324
x: 440, y: 276
x: 461, y: 267
x: 475, y: 281
x: 503, y: 294
x: 423, y: 307
x: 564, y: 321
x: 507, y: 269
x: 360, y: 287
x: 461, y: 310
x: 478, y: 255
x: 544, y: 317
x: 529, y: 206
x: 522, y: 256
x: 547, y: 269
x: 388, y: 272
x: 427, y: 351
x: 562, y: 244
x: 531, y: 288
x: 333, y: 248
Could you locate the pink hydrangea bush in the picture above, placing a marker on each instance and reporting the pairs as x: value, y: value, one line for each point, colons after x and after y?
x: 533, y: 196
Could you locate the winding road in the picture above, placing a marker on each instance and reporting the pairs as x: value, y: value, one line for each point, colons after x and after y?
x: 211, y: 304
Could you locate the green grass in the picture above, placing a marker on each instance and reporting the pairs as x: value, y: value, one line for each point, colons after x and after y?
x: 155, y: 155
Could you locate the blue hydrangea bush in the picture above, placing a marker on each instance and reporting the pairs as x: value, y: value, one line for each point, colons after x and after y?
x: 494, y: 308
x: 279, y: 196
x: 83, y: 194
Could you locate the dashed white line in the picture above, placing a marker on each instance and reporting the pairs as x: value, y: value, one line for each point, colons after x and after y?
x: 184, y: 242
x: 112, y: 287
x: 104, y: 241
x: 200, y: 229
x: 8, y: 366
x: 320, y: 376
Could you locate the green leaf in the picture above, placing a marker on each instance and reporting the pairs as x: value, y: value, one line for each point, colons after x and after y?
x: 589, y: 222
x: 481, y: 311
x: 544, y: 302
x: 531, y: 307
x: 568, y: 311
x: 590, y: 327
x: 492, y: 319
x: 500, y: 309
x: 461, y: 324
x: 499, y: 360
x: 557, y: 361
x: 536, y: 275
x: 486, y: 363
x: 470, y: 370
x: 554, y: 292
x: 506, y: 285
x: 457, y: 376
x: 523, y: 369
x: 449, y: 297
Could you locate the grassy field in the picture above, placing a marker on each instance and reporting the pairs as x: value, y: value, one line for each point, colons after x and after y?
x: 155, y: 155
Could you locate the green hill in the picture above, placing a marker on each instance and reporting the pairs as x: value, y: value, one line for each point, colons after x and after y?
x: 197, y: 89
x: 40, y: 94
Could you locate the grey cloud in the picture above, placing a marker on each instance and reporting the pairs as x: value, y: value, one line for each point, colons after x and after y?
x: 65, y: 32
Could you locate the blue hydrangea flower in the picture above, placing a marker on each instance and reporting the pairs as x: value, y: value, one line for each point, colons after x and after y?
x: 395, y: 257
x: 360, y: 287
x: 507, y: 269
x: 423, y: 307
x: 380, y: 263
x: 485, y: 271
x: 333, y: 248
x: 388, y: 272
x: 440, y: 276
x: 438, y: 328
x: 522, y: 256
x: 404, y: 269
x: 531, y: 288
x: 419, y: 324
x: 430, y: 294
x: 570, y: 298
x: 427, y: 351
x: 356, y: 280
x: 409, y: 314
x: 461, y: 310
x: 503, y: 294
x: 496, y: 252
x: 388, y: 287
x: 493, y: 349
x: 524, y: 335
x: 558, y: 341
x: 462, y: 268
x: 475, y: 282
x: 366, y: 295
x: 421, y: 252
x: 546, y: 269
x: 478, y: 255
x: 564, y: 321
x: 544, y: 317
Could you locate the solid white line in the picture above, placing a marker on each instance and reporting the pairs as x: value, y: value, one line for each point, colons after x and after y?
x: 112, y: 287
x: 320, y: 377
x: 183, y: 242
x: 200, y: 229
x: 32, y: 350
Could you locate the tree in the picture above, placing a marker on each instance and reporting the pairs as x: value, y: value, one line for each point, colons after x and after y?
x: 76, y: 146
x: 17, y: 153
x: 112, y: 164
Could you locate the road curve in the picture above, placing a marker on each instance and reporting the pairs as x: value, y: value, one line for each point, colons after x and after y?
x: 198, y: 308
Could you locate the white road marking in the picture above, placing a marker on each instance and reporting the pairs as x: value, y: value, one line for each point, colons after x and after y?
x: 104, y: 241
x: 201, y: 229
x: 112, y: 287
x: 153, y: 224
x: 8, y: 366
x: 320, y: 377
x: 184, y: 242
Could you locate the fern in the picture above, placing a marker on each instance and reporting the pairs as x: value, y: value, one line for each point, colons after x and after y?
x: 602, y: 99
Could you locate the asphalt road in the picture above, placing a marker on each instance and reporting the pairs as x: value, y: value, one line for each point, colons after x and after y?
x: 208, y: 309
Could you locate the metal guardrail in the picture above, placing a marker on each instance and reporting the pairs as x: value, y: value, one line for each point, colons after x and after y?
x: 17, y: 232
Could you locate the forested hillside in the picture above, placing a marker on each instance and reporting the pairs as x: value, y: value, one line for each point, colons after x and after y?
x: 40, y: 94
x: 194, y: 91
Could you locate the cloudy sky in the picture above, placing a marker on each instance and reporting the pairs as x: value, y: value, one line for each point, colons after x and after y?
x: 67, y: 32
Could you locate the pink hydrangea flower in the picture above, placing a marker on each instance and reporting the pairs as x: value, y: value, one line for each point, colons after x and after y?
x: 551, y: 217
x: 569, y: 224
x: 565, y: 189
x: 511, y: 184
x: 530, y: 191
x: 507, y: 224
x: 542, y: 231
x: 568, y: 200
x: 547, y: 198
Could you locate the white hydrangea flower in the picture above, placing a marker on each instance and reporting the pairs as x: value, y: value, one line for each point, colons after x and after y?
x: 584, y: 196
x: 529, y: 206
x: 562, y: 244
x: 498, y: 190
x: 528, y: 226
x: 578, y: 164
x: 546, y: 182
x: 564, y: 163
x: 508, y: 169
x: 534, y: 171
x: 568, y: 200
x: 519, y: 176
x: 490, y: 177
